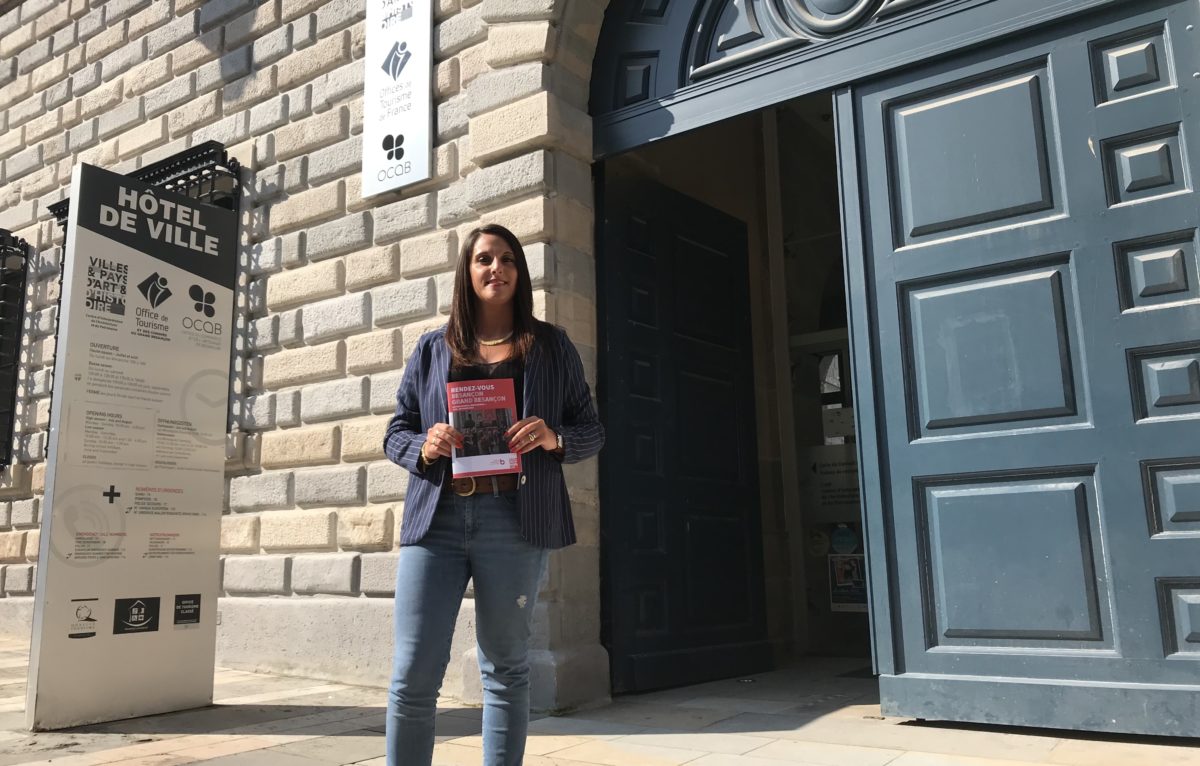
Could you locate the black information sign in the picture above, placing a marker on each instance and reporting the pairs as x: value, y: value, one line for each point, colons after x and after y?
x: 187, y: 609
x: 136, y: 615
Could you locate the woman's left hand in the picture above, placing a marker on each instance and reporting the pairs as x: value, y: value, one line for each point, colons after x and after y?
x: 530, y: 433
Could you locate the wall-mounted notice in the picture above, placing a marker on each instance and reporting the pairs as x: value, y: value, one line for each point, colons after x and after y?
x: 125, y: 612
x: 829, y: 482
x: 397, y: 96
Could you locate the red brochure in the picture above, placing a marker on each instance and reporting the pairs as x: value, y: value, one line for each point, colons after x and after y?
x: 482, y: 410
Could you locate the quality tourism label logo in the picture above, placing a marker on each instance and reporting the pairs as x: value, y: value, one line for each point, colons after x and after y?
x: 107, y: 281
x: 154, y: 289
x: 150, y: 323
x: 136, y: 615
x: 84, y: 623
x: 397, y: 57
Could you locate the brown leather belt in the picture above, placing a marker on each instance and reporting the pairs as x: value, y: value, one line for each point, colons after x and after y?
x: 472, y: 485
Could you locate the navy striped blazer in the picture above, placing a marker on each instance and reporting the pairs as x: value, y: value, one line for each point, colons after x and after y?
x: 555, y: 390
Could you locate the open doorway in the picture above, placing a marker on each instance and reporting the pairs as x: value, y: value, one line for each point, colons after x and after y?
x: 833, y: 619
x: 731, y: 535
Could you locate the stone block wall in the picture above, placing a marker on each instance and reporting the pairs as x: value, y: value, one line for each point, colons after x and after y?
x: 337, y: 288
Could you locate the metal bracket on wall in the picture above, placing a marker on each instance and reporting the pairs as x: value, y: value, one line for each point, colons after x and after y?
x: 14, y: 269
x: 204, y: 172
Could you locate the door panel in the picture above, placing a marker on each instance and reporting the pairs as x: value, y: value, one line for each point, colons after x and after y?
x: 1024, y: 264
x: 681, y: 534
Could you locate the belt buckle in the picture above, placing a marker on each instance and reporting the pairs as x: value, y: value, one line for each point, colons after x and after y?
x: 470, y: 491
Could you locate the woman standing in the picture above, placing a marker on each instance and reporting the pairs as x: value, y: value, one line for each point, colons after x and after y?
x: 495, y: 529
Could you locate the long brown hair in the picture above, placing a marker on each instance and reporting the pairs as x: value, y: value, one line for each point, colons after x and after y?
x: 460, y: 331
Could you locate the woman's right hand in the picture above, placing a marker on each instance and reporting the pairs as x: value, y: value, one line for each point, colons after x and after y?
x: 440, y: 440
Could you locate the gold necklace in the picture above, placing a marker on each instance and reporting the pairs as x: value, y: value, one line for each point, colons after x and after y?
x: 497, y: 342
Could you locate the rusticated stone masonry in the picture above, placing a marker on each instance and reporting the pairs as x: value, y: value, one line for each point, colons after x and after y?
x: 337, y: 288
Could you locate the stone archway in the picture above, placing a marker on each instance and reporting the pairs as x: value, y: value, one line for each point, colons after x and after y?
x: 531, y: 145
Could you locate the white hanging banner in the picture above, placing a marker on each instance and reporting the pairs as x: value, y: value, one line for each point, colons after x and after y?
x: 125, y: 610
x: 398, y: 98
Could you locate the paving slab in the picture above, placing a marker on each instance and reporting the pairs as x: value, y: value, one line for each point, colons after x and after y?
x: 937, y: 759
x: 619, y: 752
x: 738, y: 704
x: 803, y: 715
x: 656, y: 715
x: 582, y: 727
x: 824, y: 754
x: 1102, y: 751
x: 351, y: 747
x: 734, y: 744
x: 724, y: 759
x: 261, y: 758
x: 947, y: 740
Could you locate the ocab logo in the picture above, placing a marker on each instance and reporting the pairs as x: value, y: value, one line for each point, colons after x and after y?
x: 203, y: 325
x: 393, y: 148
x: 203, y: 302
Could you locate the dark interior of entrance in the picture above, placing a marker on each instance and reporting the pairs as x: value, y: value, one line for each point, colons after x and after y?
x: 772, y: 176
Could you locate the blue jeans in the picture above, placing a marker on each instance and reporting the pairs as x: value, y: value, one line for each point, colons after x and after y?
x: 480, y: 537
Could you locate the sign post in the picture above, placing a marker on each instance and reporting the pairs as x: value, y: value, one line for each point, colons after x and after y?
x: 397, y: 141
x: 125, y: 612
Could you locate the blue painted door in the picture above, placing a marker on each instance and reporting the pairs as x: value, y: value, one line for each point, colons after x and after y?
x: 1025, y: 306
x: 681, y: 535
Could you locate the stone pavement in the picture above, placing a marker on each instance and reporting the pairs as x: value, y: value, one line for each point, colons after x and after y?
x: 821, y: 713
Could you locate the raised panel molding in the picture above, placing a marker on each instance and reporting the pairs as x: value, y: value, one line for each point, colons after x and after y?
x: 635, y: 79
x: 645, y: 453
x: 643, y: 305
x: 1179, y: 613
x: 650, y: 11
x: 696, y: 423
x: 1174, y: 382
x: 652, y: 605
x: 976, y: 153
x: 693, y: 304
x: 1158, y: 272
x: 1190, y: 603
x: 1165, y: 381
x: 980, y: 562
x: 1144, y: 166
x: 649, y: 535
x: 990, y: 349
x: 1172, y: 491
x: 644, y: 374
x: 1131, y: 64
x: 638, y: 236
x: 741, y: 22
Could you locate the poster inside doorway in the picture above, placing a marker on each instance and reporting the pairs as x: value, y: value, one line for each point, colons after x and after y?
x: 848, y: 583
x: 125, y: 609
